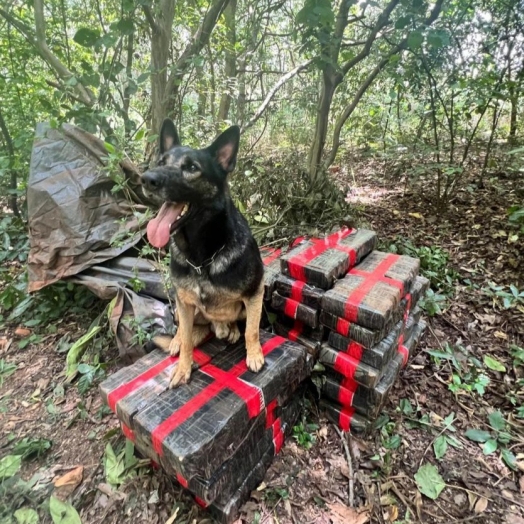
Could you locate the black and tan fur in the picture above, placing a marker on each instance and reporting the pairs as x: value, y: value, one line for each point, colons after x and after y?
x: 214, y: 237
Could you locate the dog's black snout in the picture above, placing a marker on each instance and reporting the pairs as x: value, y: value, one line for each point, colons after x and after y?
x: 152, y: 180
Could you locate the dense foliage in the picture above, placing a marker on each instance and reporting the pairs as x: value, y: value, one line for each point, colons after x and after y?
x: 422, y: 83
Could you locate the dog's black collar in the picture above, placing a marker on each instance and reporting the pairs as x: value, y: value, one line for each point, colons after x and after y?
x: 206, y: 263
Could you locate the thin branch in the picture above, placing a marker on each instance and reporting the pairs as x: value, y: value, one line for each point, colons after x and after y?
x: 64, y: 73
x: 351, y: 495
x: 382, y: 20
x: 196, y: 44
x: 271, y: 93
x: 150, y: 18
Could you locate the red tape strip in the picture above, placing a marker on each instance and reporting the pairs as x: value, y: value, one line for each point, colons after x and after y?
x: 128, y: 432
x: 270, y: 413
x: 355, y: 350
x: 291, y: 307
x: 181, y: 480
x: 273, y: 254
x: 345, y: 396
x: 344, y: 420
x: 297, y: 263
x: 403, y: 350
x: 345, y: 364
x: 296, y: 290
x: 224, y: 380
x: 370, y: 278
x: 295, y: 331
x: 343, y: 326
x: 133, y: 385
x: 278, y: 436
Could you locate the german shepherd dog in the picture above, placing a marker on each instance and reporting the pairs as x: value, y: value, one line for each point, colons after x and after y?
x: 216, y: 266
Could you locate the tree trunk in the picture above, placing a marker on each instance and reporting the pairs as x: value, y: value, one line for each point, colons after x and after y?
x: 514, y: 101
x: 160, y: 52
x: 321, y: 127
x: 230, y: 66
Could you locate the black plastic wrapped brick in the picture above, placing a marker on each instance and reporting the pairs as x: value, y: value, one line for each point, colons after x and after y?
x: 195, y: 428
x: 299, y: 291
x: 271, y: 261
x: 371, y: 292
x: 370, y: 401
x: 296, y: 333
x: 295, y: 310
x: 320, y: 262
x: 370, y: 337
x: 346, y: 418
x: 379, y: 355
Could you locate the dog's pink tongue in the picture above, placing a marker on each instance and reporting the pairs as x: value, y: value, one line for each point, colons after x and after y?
x: 159, y: 228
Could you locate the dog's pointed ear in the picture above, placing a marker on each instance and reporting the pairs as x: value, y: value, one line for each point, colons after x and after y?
x: 168, y: 136
x: 225, y: 148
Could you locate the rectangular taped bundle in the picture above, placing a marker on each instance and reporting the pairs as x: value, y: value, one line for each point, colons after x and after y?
x: 346, y: 418
x: 380, y: 354
x: 370, y: 337
x: 295, y: 310
x: 298, y: 291
x: 271, y: 260
x: 194, y: 428
x: 320, y: 262
x: 371, y: 292
x: 298, y: 332
x: 369, y: 401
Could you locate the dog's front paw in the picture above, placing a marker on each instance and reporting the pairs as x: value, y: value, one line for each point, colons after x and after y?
x: 175, y: 345
x: 180, y: 376
x: 234, y: 333
x: 255, y: 359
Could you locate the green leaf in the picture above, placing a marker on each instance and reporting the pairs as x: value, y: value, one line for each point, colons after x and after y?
x: 415, y: 39
x: 493, y: 364
x: 110, y: 148
x: 429, y: 481
x: 114, y: 468
x: 26, y: 516
x: 452, y: 441
x: 440, y: 446
x: 125, y: 26
x: 490, y: 446
x: 143, y: 77
x: 9, y: 466
x: 509, y: 458
x: 76, y: 351
x: 402, y: 22
x: 478, y: 435
x: 63, y: 512
x: 86, y: 37
x: 497, y: 421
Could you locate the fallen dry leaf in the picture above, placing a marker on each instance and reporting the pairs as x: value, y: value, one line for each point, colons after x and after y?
x: 22, y: 332
x: 480, y: 505
x: 392, y: 513
x: 341, y: 514
x: 521, y: 485
x: 73, y: 477
x: 66, y: 484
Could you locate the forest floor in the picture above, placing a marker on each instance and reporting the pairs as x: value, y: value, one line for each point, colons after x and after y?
x: 311, y: 485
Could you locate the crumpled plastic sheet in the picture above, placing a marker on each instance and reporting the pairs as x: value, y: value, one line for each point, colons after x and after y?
x: 82, y: 231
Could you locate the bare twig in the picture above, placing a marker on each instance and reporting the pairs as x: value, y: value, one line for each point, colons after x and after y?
x: 351, y: 494
x: 271, y: 93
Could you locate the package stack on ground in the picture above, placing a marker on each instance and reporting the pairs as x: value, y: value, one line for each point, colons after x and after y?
x: 355, y: 310
x: 217, y: 435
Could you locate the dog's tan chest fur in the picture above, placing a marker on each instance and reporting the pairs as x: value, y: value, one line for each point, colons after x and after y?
x: 215, y: 304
